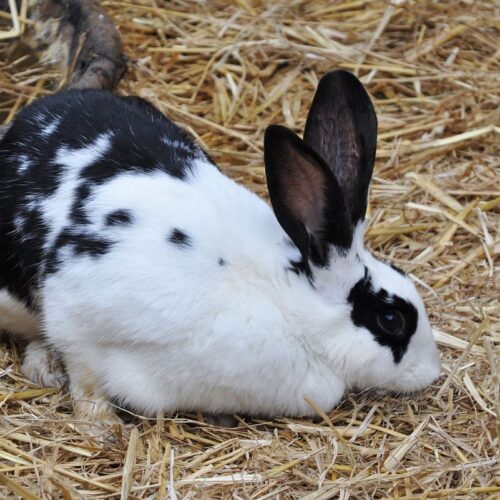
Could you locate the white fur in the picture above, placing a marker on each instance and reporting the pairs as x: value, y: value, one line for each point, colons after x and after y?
x: 175, y: 144
x: 24, y: 163
x: 167, y: 328
x: 51, y: 127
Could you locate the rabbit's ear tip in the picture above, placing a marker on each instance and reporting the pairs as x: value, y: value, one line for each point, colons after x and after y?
x: 339, y: 74
x: 277, y: 132
x: 340, y: 80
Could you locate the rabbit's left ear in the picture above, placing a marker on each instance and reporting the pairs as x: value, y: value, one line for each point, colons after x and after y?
x: 342, y: 128
x: 305, y: 196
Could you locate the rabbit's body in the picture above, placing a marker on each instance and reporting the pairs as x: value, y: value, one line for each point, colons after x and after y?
x: 210, y: 242
x: 165, y: 285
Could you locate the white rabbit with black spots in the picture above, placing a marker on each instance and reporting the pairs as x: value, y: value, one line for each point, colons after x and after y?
x: 164, y: 285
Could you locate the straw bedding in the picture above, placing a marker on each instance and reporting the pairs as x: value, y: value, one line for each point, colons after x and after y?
x: 226, y: 70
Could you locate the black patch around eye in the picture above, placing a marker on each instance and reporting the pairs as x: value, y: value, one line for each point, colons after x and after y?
x: 221, y: 262
x: 367, y: 308
x: 179, y: 238
x: 118, y: 217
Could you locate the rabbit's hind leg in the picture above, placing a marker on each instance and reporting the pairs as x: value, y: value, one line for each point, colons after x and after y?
x: 17, y: 318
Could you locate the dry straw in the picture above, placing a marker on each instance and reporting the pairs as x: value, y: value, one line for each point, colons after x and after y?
x: 226, y: 70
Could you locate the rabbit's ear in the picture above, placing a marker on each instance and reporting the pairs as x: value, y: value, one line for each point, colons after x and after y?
x: 342, y: 128
x: 305, y: 196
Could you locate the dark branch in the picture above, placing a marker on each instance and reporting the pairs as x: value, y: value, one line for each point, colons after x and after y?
x: 95, y: 55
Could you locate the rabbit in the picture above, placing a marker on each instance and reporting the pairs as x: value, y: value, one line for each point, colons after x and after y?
x: 159, y: 283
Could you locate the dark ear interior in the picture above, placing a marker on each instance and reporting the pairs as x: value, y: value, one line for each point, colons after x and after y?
x: 305, y: 196
x: 342, y: 128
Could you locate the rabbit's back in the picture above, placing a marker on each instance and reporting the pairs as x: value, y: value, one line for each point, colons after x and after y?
x: 55, y: 154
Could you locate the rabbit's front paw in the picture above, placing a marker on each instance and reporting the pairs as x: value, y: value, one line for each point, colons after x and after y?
x: 42, y: 366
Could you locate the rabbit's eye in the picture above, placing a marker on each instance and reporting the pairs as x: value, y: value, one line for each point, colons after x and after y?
x: 392, y: 322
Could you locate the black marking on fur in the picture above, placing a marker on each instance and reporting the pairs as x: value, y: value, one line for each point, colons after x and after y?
x: 118, y: 218
x: 396, y: 268
x: 367, y: 304
x: 81, y: 244
x: 180, y: 238
x: 21, y: 252
x: 90, y: 245
x: 78, y: 214
x: 221, y: 262
x: 300, y: 267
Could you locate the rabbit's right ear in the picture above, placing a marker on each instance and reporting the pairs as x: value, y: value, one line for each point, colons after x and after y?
x: 305, y: 196
x: 342, y: 128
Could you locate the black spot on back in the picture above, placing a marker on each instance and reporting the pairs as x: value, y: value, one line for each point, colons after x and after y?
x: 80, y: 243
x: 367, y: 304
x: 90, y: 245
x: 118, y: 217
x: 179, y: 238
x: 78, y: 214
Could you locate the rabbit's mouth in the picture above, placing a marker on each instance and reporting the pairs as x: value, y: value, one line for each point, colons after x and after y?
x: 416, y: 380
x: 378, y: 393
x: 410, y: 378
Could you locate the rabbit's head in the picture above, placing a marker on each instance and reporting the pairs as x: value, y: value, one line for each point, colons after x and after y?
x: 319, y: 188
